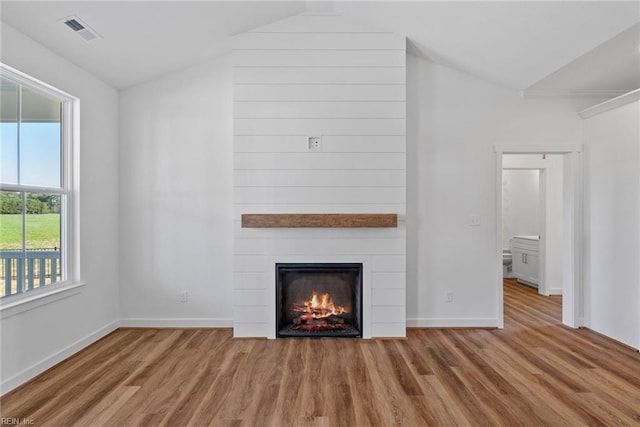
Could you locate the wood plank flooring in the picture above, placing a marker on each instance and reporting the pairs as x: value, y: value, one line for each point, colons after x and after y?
x: 534, y: 372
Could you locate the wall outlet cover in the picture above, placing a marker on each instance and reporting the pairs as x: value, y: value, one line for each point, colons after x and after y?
x: 315, y: 143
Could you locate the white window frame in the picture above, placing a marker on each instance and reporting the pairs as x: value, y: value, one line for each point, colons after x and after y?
x: 70, y: 188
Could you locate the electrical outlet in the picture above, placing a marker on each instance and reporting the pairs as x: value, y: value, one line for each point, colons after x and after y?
x: 450, y: 296
x: 315, y: 143
x: 474, y: 220
x: 184, y: 296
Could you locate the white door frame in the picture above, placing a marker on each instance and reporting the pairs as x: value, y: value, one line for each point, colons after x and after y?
x: 572, y: 293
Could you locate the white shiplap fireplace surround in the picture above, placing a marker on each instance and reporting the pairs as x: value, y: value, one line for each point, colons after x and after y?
x: 329, y: 76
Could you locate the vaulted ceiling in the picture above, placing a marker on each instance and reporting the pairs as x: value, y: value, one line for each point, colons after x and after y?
x: 541, y: 45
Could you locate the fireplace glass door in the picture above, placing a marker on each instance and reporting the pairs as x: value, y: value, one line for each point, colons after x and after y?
x: 319, y: 300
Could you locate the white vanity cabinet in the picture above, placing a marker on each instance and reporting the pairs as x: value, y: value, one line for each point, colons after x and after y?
x: 526, y: 259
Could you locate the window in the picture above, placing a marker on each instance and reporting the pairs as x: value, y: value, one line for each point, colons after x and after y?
x: 36, y: 184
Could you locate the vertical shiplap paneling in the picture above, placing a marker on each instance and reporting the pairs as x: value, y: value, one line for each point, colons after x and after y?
x: 319, y: 75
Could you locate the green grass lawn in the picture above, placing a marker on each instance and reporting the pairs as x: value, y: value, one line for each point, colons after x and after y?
x: 43, y: 231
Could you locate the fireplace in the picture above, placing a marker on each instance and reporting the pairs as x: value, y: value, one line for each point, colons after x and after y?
x: 319, y: 300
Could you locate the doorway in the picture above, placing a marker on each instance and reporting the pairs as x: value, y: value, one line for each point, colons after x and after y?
x: 565, y: 276
x: 523, y: 219
x: 532, y: 221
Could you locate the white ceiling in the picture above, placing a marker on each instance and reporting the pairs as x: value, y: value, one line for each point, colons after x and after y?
x: 512, y: 43
x: 613, y: 65
x: 141, y: 40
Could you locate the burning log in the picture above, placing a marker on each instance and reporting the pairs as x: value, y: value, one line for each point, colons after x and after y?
x: 300, y: 306
x: 334, y: 319
x: 328, y: 322
x: 318, y: 313
x: 320, y: 306
x: 321, y: 327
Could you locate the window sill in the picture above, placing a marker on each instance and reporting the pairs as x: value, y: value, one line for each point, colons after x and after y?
x: 16, y: 304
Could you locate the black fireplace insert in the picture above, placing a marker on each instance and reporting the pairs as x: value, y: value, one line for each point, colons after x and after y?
x: 319, y: 300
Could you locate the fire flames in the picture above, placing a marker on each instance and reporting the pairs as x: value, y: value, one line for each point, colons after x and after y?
x: 318, y: 308
x: 319, y: 312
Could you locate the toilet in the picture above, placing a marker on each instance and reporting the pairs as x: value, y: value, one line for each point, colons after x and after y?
x: 507, y: 262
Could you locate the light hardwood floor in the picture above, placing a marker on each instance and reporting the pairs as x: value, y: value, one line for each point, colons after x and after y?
x: 534, y: 372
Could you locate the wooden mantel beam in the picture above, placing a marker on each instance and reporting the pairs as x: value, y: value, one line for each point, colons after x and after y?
x: 350, y: 220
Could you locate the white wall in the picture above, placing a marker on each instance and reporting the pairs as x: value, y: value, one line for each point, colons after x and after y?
x: 328, y: 76
x: 453, y: 122
x: 612, y: 221
x: 176, y: 198
x: 520, y: 204
x: 35, y: 340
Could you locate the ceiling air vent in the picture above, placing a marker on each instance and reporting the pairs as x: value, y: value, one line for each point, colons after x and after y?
x: 80, y: 28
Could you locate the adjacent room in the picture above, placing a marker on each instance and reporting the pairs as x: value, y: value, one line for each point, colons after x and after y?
x: 319, y: 213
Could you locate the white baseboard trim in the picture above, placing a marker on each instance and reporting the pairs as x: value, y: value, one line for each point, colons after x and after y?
x: 555, y: 291
x: 176, y: 323
x: 48, y: 362
x: 452, y: 323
